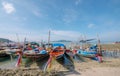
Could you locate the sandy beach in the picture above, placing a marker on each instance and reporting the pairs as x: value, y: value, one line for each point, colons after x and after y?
x: 109, y: 67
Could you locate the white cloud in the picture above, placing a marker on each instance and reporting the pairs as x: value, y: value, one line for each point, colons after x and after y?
x: 8, y: 7
x: 68, y: 35
x: 70, y: 15
x: 77, y: 2
x: 110, y: 36
x: 31, y: 7
x: 9, y: 32
x: 91, y: 25
x: 37, y: 13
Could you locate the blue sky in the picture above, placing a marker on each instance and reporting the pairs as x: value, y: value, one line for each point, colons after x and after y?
x: 67, y: 19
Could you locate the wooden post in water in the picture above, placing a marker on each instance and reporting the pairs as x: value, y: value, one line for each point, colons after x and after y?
x: 11, y: 57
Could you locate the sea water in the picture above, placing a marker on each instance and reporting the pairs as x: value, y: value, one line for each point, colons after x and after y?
x: 8, y: 64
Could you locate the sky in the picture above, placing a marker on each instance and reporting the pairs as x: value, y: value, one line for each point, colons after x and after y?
x: 66, y: 19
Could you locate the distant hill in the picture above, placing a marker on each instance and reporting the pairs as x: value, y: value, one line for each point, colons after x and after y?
x: 5, y: 40
x: 62, y: 41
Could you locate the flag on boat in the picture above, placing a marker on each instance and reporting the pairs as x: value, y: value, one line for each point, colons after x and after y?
x: 19, y: 60
x: 49, y: 63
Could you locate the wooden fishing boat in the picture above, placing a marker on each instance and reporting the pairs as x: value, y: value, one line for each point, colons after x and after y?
x: 58, y: 53
x: 69, y: 52
x: 58, y: 50
x: 33, y: 55
x: 30, y: 56
x: 36, y: 55
x: 3, y: 53
x: 33, y: 50
x: 88, y: 54
x: 12, y: 51
x: 4, y: 56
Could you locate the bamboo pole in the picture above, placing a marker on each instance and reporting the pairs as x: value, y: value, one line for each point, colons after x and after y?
x: 48, y: 38
x: 18, y: 40
x: 82, y: 42
x: 99, y: 45
x: 22, y: 49
x: 85, y: 42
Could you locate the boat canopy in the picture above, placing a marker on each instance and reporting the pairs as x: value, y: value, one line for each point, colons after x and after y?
x: 58, y: 44
x: 34, y: 43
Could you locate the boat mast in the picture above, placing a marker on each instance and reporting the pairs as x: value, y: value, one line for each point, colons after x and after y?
x: 85, y: 44
x: 49, y: 38
x: 18, y: 41
x: 99, y: 46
